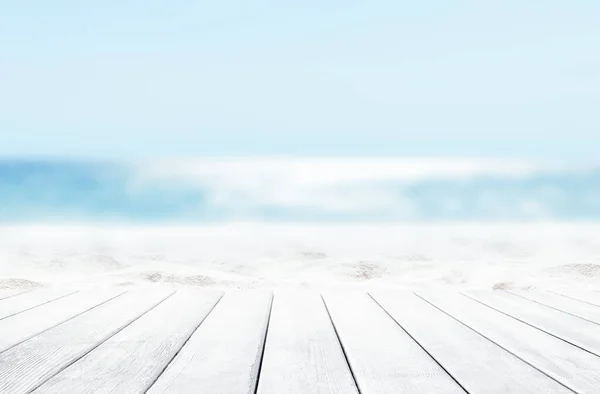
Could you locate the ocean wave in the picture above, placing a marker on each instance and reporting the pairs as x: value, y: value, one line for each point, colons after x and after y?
x: 295, y: 190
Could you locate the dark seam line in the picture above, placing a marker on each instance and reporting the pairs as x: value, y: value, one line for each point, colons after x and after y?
x: 100, y: 343
x: 16, y: 294
x: 497, y: 344
x: 555, y: 308
x: 36, y: 306
x: 183, y: 345
x: 576, y: 299
x: 531, y: 325
x: 337, y: 334
x: 264, y: 344
x: 62, y: 322
x: 419, y: 344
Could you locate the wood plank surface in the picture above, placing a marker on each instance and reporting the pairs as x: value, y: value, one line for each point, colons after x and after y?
x: 591, y: 297
x: 568, y: 305
x: 223, y: 356
x: 479, y: 365
x: 572, y: 329
x: 158, y: 341
x: 22, y: 326
x: 11, y: 293
x: 383, y: 357
x: 30, y: 364
x: 132, y: 360
x: 31, y: 299
x: 571, y: 366
x: 302, y: 352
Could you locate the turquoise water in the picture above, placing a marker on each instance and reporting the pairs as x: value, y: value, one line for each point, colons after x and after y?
x: 205, y: 191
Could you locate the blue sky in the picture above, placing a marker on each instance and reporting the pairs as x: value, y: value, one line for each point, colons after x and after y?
x: 184, y: 78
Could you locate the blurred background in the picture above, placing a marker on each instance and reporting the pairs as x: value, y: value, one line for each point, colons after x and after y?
x: 385, y: 142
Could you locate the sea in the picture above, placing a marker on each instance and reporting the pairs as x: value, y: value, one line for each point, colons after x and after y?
x: 299, y: 222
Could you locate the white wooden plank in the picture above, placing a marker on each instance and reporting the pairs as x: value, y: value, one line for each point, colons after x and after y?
x: 571, y: 366
x: 26, y: 301
x: 28, y: 365
x: 565, y: 304
x: 479, y: 365
x: 223, y: 356
x: 572, y: 329
x: 11, y: 293
x: 383, y: 357
x: 302, y: 352
x: 591, y: 297
x: 25, y: 325
x: 132, y: 360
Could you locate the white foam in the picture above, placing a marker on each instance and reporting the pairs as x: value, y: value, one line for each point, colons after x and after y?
x: 332, y: 185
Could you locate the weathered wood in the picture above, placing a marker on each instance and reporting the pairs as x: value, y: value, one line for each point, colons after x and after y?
x: 564, y: 304
x: 479, y: 365
x: 132, y: 360
x: 571, y: 366
x: 383, y: 357
x: 20, y: 327
x: 31, y: 363
x: 29, y: 300
x: 302, y: 352
x: 147, y: 340
x: 572, y: 329
x: 11, y: 293
x: 223, y: 356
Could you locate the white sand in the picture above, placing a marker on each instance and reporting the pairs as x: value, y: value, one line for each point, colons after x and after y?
x: 245, y: 255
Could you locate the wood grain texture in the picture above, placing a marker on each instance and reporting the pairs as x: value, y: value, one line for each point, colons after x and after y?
x: 223, y: 356
x: 11, y: 293
x: 383, y: 357
x: 571, y: 366
x: 479, y: 365
x: 31, y: 363
x: 302, y: 352
x: 29, y: 300
x: 430, y: 342
x: 565, y: 304
x: 131, y: 360
x: 20, y: 327
x: 570, y: 328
